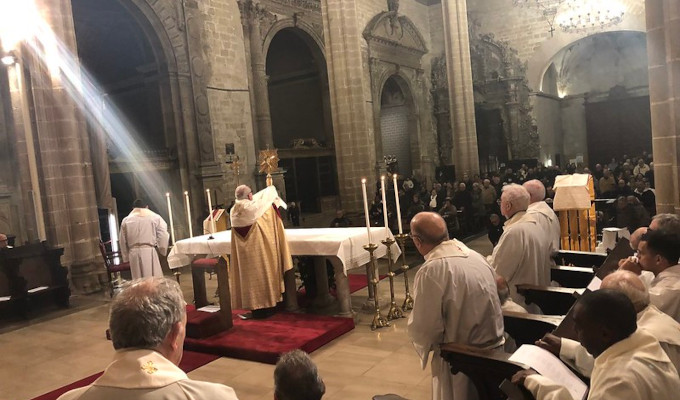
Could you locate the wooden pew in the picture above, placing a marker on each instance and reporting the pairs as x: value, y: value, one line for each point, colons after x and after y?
x: 487, y: 369
x: 572, y: 277
x: 528, y: 328
x: 579, y: 258
x: 32, y: 276
x: 551, y: 300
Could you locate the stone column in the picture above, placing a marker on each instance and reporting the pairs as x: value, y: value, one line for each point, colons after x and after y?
x: 62, y: 150
x: 663, y: 48
x: 354, y: 146
x: 461, y: 98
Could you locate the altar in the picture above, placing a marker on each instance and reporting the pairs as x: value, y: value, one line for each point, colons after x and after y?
x: 343, y: 247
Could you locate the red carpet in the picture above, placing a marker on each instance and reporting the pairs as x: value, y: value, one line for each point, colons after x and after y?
x: 358, y: 281
x: 265, y: 340
x: 190, y: 361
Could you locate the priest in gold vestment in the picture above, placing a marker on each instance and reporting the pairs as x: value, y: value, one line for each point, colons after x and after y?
x: 259, y: 250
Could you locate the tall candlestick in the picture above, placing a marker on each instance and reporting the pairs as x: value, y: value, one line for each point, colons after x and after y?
x: 210, y: 210
x: 368, y: 221
x: 384, y: 201
x: 396, y: 199
x: 172, y: 226
x: 188, y: 206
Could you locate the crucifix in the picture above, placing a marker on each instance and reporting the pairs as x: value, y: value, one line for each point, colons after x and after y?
x: 236, y: 167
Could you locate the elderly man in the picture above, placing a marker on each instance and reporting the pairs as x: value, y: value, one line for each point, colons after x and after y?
x: 522, y: 255
x: 455, y: 300
x: 259, y: 251
x: 664, y: 328
x: 297, y: 378
x: 143, y: 234
x: 545, y: 216
x: 629, y: 363
x: 4, y: 243
x: 147, y: 325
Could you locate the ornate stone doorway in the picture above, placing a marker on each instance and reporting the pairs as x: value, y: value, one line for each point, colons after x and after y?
x: 299, y: 104
x: 396, y: 124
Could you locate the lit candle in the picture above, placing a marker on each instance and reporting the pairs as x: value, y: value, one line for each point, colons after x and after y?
x: 172, y: 226
x: 387, y: 224
x: 188, y: 206
x: 368, y: 221
x: 396, y: 199
x: 210, y: 210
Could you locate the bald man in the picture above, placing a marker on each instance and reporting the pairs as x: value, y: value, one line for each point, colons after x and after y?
x: 545, y: 216
x: 3, y: 241
x: 664, y: 328
x: 455, y: 300
x: 522, y: 255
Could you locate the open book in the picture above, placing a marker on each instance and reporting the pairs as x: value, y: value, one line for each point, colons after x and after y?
x: 546, y: 364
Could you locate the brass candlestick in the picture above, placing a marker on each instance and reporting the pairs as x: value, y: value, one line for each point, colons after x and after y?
x: 408, y: 300
x: 395, y: 312
x: 378, y: 320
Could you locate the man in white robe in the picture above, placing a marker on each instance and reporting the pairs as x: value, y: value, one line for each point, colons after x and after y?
x: 664, y: 328
x: 143, y: 235
x: 629, y: 363
x: 147, y: 326
x: 522, y: 253
x: 658, y: 253
x: 259, y: 251
x: 455, y: 300
x: 545, y: 216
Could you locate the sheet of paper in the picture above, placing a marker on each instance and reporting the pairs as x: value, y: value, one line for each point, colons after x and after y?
x: 210, y: 309
x: 594, y: 284
x: 5, y: 298
x: 546, y: 364
x: 37, y: 289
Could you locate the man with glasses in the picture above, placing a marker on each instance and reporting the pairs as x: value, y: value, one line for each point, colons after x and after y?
x: 455, y: 300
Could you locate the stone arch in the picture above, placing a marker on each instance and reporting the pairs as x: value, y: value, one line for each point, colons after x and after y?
x: 404, y: 111
x: 299, y: 24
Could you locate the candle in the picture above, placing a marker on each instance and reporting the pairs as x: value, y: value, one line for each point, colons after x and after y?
x: 396, y: 199
x: 387, y: 224
x: 188, y: 206
x: 210, y: 210
x: 368, y: 221
x: 172, y: 226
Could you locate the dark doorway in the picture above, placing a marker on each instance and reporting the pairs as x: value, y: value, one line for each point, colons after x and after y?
x: 618, y: 127
x: 395, y: 125
x: 492, y: 147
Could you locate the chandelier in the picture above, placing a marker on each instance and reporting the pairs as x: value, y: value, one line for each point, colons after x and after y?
x: 582, y: 16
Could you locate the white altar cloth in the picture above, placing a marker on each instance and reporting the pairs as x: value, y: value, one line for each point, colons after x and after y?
x: 344, y: 243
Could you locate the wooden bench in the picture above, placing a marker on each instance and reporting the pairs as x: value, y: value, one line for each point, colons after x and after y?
x: 528, y: 328
x: 487, y: 369
x: 572, y: 277
x: 32, y: 276
x: 551, y: 300
x: 579, y: 258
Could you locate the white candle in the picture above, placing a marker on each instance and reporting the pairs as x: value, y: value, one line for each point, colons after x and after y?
x: 210, y: 210
x: 368, y: 221
x: 188, y: 206
x: 172, y: 226
x: 387, y: 224
x: 396, y: 199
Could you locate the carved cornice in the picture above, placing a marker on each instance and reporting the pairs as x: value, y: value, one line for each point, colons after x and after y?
x: 311, y: 5
x: 398, y: 31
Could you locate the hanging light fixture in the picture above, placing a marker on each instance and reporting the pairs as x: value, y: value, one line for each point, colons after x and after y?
x: 592, y: 15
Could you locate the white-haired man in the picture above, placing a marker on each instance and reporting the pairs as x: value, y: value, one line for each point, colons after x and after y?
x: 147, y: 325
x: 545, y: 216
x: 259, y: 251
x: 664, y: 328
x: 521, y: 255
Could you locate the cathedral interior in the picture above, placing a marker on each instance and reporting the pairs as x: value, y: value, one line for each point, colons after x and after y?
x: 105, y: 101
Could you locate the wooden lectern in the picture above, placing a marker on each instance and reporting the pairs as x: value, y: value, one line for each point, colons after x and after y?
x: 574, y: 201
x: 221, y: 221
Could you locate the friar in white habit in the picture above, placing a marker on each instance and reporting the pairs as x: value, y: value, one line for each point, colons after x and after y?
x: 143, y: 235
x: 455, y: 300
x: 259, y: 251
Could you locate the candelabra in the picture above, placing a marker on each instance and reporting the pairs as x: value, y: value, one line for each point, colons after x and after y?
x: 408, y: 300
x: 395, y: 311
x: 378, y: 320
